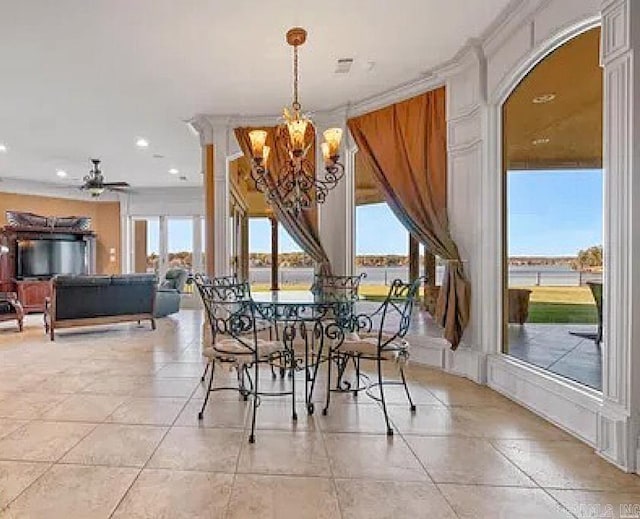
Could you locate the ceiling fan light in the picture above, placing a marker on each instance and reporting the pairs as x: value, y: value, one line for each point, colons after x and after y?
x: 96, y: 191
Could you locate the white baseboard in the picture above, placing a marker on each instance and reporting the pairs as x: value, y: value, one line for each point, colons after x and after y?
x: 566, y: 404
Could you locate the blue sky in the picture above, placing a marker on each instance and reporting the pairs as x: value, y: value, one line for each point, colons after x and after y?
x: 551, y: 213
x: 554, y: 213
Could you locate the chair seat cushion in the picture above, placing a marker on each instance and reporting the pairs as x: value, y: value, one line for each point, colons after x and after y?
x: 366, y: 344
x: 234, y: 349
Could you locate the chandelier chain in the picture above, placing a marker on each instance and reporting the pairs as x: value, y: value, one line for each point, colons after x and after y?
x: 296, y: 104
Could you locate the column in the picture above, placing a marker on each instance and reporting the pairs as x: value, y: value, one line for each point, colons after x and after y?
x: 163, y: 247
x: 275, y: 285
x: 619, y: 418
x: 214, y: 140
x: 244, y: 247
x: 336, y: 213
x: 414, y: 258
x: 140, y: 246
x: 208, y: 158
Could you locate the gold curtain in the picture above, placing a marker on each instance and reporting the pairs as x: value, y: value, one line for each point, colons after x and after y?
x: 404, y: 146
x: 303, y: 228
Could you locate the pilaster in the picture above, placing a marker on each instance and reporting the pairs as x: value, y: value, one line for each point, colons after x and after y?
x: 618, y: 420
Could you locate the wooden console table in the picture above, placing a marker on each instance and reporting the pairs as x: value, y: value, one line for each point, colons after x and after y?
x: 32, y: 294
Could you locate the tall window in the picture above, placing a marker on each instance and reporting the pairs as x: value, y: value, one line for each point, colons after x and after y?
x: 180, y: 242
x: 295, y: 268
x: 553, y: 188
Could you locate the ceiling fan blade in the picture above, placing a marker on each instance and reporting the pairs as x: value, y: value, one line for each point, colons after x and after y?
x: 116, y: 184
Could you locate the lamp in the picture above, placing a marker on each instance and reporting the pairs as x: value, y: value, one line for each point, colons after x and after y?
x: 296, y: 186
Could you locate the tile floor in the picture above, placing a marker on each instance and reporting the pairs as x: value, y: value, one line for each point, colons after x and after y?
x: 102, y: 423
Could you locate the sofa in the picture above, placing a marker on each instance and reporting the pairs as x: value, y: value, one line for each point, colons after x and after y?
x: 168, y: 296
x: 93, y: 300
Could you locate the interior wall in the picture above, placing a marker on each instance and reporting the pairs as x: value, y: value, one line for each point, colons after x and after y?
x: 105, y: 221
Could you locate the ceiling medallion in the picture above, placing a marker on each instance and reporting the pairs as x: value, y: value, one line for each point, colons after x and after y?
x: 296, y: 186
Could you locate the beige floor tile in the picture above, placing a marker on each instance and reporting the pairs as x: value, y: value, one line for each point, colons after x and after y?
x: 148, y: 411
x: 586, y: 504
x: 167, y: 387
x: 363, y: 499
x: 451, y: 459
x: 114, y: 385
x: 65, y: 383
x: 484, y: 502
x: 454, y: 391
x: 373, y: 457
x: 15, y: 476
x: 73, y: 491
x: 168, y: 494
x: 276, y: 414
x: 85, y: 407
x: 501, y: 422
x: 567, y: 464
x: 181, y: 369
x: 28, y: 405
x: 362, y: 418
x: 205, y: 449
x: 42, y: 441
x: 289, y: 453
x: 7, y: 426
x: 116, y: 445
x: 426, y: 420
x: 281, y: 497
x: 231, y: 414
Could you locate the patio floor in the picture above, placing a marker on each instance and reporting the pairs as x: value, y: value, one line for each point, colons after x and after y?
x: 552, y: 347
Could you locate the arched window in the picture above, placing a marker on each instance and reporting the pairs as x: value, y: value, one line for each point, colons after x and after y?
x: 553, y: 192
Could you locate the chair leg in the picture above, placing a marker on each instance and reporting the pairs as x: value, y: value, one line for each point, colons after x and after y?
x: 252, y: 436
x: 206, y: 397
x: 384, y: 404
x: 204, y: 374
x: 328, y: 401
x: 294, y: 414
x: 356, y: 361
x: 406, y: 390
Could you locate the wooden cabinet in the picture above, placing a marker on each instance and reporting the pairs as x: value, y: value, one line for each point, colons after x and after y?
x: 32, y: 294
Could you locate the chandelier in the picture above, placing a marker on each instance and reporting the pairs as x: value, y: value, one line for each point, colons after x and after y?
x: 296, y: 186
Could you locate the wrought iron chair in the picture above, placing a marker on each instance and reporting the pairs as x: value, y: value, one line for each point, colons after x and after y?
x: 379, y: 337
x: 337, y: 288
x: 231, y: 315
x: 203, y: 280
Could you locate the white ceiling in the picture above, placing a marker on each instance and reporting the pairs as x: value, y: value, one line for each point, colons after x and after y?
x: 85, y: 78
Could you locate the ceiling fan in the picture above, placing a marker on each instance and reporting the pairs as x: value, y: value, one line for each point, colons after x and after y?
x: 94, y: 182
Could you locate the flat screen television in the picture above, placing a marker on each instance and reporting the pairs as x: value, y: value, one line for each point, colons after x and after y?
x: 45, y: 258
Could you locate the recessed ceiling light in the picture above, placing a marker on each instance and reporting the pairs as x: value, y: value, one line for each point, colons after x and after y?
x: 142, y: 143
x: 3, y: 148
x: 61, y: 173
x: 173, y: 171
x: 543, y: 98
x: 542, y: 140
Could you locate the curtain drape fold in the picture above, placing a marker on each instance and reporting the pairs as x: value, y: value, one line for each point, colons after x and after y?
x: 405, y: 148
x: 303, y: 227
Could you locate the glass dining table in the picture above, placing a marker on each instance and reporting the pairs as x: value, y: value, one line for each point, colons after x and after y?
x: 305, y: 323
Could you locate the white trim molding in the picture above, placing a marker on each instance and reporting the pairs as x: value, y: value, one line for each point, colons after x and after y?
x: 618, y: 420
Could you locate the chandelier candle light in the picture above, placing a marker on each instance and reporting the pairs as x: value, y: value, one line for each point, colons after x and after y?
x: 296, y: 187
